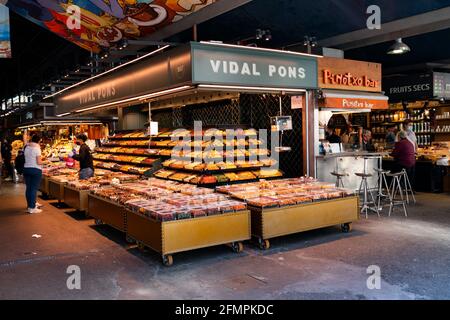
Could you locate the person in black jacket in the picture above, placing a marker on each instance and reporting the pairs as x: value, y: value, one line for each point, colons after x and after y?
x: 85, y: 158
x: 6, y: 155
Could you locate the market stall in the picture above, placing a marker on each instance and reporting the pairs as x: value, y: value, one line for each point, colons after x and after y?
x: 171, y: 217
x: 350, y: 90
x: 288, y: 206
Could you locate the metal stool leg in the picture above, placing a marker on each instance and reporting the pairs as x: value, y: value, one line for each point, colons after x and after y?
x: 387, y: 186
x: 403, y: 200
x: 408, y: 187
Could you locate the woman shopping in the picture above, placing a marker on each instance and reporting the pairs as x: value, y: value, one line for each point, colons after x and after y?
x: 32, y: 172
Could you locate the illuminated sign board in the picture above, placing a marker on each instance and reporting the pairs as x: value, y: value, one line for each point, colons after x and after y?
x: 5, y: 43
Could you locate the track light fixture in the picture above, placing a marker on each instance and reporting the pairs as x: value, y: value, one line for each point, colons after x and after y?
x: 399, y: 47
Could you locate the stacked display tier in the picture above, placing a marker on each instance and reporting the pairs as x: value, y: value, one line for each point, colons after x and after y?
x: 76, y: 191
x: 128, y: 152
x: 287, y: 206
x: 214, y: 157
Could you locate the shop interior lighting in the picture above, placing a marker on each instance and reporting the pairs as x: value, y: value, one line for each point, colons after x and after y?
x: 108, y: 71
x: 399, y: 47
x: 60, y: 123
x: 63, y: 114
x: 265, y: 35
x: 122, y: 44
x: 260, y: 49
x: 243, y: 88
x: 135, y: 99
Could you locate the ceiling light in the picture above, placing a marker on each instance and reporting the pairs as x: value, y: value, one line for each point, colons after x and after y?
x: 122, y: 44
x: 399, y: 47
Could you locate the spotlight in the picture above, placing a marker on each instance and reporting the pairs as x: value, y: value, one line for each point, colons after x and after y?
x: 267, y: 35
x: 104, y: 54
x: 399, y: 47
x: 259, y: 34
x: 122, y: 44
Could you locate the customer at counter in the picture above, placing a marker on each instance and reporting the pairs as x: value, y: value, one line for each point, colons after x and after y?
x: 404, y: 156
x: 331, y: 136
x: 410, y: 135
x: 391, y: 136
x: 350, y: 136
x: 367, y: 144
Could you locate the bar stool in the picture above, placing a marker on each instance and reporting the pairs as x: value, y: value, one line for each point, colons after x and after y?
x: 364, y: 187
x: 408, y: 188
x: 339, y: 176
x: 396, y: 189
x: 382, y: 184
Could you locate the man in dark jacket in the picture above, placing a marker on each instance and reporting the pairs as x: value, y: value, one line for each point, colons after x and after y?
x: 6, y: 155
x: 85, y: 158
x: 405, y: 157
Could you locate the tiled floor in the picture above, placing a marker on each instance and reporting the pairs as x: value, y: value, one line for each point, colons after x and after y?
x: 413, y: 255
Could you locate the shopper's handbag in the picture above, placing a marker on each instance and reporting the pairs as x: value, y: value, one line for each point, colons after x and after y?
x: 19, y: 163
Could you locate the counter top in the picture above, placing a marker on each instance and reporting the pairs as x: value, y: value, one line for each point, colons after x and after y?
x: 355, y: 154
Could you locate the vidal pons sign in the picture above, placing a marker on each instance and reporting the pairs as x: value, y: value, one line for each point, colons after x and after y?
x: 242, y: 66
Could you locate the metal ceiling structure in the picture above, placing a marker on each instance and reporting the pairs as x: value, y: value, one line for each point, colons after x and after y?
x: 424, y: 25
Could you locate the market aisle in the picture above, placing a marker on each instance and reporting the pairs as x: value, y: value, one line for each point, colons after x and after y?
x: 413, y: 255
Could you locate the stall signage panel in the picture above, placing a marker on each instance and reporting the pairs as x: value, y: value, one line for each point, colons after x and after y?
x: 246, y: 67
x: 354, y: 103
x: 441, y: 87
x: 335, y: 73
x: 150, y: 75
x: 409, y: 88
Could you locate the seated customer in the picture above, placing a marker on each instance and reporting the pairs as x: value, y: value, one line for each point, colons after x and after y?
x: 391, y: 136
x: 332, y: 136
x: 367, y: 141
x: 404, y: 156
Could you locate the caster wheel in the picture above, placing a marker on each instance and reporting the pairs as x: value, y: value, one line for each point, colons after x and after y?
x: 264, y: 244
x: 98, y: 222
x: 141, y: 246
x: 130, y: 239
x: 237, y: 247
x: 167, y: 260
x: 346, y: 227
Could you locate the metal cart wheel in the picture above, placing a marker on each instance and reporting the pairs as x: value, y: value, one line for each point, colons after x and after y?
x: 130, y: 239
x: 346, y: 227
x: 140, y: 246
x: 98, y: 222
x: 167, y: 260
x: 237, y: 247
x: 264, y: 244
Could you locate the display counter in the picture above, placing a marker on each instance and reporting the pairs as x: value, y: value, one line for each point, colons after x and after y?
x: 77, y: 199
x: 169, y: 237
x: 429, y: 177
x: 108, y: 212
x: 349, y: 163
x: 269, y: 223
x: 43, y: 188
x: 56, y: 189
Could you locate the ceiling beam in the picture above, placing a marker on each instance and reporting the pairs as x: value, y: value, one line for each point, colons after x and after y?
x: 403, y: 28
